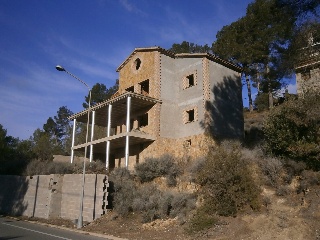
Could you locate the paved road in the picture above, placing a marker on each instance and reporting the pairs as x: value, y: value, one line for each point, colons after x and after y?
x: 13, y: 229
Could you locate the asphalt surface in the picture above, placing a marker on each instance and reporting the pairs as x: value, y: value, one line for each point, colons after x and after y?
x: 15, y: 229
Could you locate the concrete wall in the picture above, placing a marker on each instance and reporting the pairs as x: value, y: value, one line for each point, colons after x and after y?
x: 216, y: 98
x: 53, y: 196
x: 169, y: 94
x: 190, y: 98
x: 224, y: 105
x: 177, y: 100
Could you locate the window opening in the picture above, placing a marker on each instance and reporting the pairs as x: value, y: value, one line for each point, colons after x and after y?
x: 187, y: 143
x: 143, y: 120
x: 112, y: 162
x: 145, y: 87
x: 306, y: 75
x: 190, y: 80
x: 112, y: 131
x: 190, y: 114
x: 130, y: 89
x: 137, y: 63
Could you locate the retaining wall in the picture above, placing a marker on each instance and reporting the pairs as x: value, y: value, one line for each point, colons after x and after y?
x: 53, y: 196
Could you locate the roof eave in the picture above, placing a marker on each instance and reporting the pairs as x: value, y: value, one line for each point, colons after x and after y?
x: 147, y: 49
x: 212, y: 58
x: 111, y: 101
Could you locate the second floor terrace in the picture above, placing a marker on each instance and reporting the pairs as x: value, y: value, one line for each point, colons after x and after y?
x: 308, y: 57
x: 129, y: 114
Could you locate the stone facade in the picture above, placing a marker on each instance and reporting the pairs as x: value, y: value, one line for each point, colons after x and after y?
x: 308, y: 79
x: 308, y: 70
x: 183, y: 149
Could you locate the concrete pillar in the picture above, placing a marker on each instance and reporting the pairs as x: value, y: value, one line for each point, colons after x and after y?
x: 128, y: 130
x: 108, y: 135
x: 92, y: 134
x: 73, y: 136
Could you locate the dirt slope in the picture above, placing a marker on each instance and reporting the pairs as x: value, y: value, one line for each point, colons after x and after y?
x: 294, y: 217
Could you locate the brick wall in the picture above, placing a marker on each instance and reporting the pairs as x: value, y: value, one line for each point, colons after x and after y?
x: 52, y: 196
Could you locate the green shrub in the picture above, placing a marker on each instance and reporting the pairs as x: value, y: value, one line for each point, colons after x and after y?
x: 227, y: 181
x: 122, y: 191
x: 97, y: 167
x: 283, y: 190
x: 272, y: 170
x: 203, y: 219
x: 151, y: 202
x: 156, y: 204
x: 292, y: 130
x: 158, y: 167
x: 181, y: 205
x: 38, y: 167
x: 129, y: 196
x: 308, y: 179
x: 261, y: 101
x: 94, y: 167
x: 293, y: 168
x: 194, y: 168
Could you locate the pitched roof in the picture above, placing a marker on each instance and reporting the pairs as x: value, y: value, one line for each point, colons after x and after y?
x: 212, y: 58
x: 147, y: 49
x: 182, y: 55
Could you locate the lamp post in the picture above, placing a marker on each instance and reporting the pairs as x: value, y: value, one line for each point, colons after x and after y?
x: 80, y: 220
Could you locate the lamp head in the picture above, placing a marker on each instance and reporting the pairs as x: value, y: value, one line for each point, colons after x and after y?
x: 60, y: 68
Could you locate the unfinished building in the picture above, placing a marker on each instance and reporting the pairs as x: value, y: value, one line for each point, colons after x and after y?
x: 308, y: 68
x: 166, y: 103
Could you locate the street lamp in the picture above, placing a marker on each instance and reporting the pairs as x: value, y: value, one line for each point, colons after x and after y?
x: 80, y: 220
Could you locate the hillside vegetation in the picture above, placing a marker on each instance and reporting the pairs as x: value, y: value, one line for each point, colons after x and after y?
x: 267, y: 187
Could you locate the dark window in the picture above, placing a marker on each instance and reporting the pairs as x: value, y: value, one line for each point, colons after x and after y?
x: 306, y: 75
x: 137, y: 63
x: 190, y: 79
x: 190, y: 115
x: 112, y: 162
x: 145, y: 87
x: 143, y: 120
x: 130, y: 89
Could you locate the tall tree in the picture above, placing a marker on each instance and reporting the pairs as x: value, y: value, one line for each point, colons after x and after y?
x: 64, y: 128
x: 62, y: 122
x: 303, y: 10
x: 257, y: 42
x: 50, y: 127
x: 58, y: 130
x: 14, y: 154
x: 43, y: 146
x: 100, y: 93
x: 233, y: 43
x: 186, y: 47
x: 4, y: 143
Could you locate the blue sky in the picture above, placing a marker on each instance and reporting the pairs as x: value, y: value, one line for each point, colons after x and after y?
x: 90, y: 39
